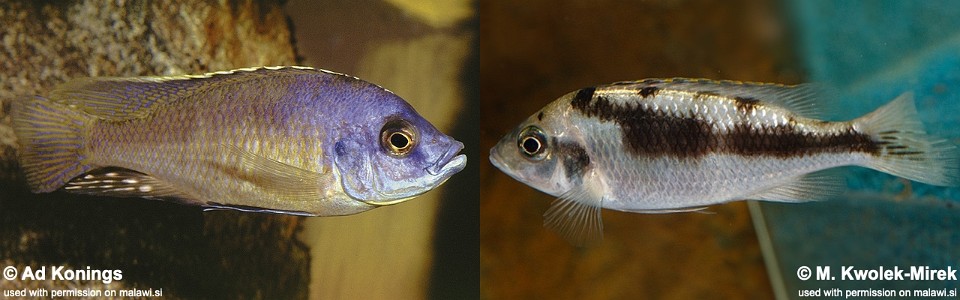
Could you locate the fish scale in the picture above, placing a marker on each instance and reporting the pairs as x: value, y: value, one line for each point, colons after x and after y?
x: 671, y: 145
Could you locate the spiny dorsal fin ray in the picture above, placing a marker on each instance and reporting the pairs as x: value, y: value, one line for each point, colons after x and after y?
x: 122, y: 98
x: 804, y: 100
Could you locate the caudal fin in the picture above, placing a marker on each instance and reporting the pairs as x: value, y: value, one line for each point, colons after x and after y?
x: 906, y: 150
x: 51, y: 142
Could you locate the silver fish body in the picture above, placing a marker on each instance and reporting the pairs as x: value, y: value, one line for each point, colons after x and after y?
x: 672, y: 145
x: 286, y: 140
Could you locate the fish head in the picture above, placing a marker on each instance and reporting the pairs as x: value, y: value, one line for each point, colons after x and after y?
x: 395, y: 155
x: 536, y: 153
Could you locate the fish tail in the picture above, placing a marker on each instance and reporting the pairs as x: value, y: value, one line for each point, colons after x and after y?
x: 904, y: 147
x: 51, y: 142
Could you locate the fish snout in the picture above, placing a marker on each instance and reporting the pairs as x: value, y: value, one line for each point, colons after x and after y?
x: 449, y: 162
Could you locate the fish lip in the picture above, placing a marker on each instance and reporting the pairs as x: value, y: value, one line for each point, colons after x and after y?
x: 495, y: 158
x: 496, y: 161
x: 449, y: 162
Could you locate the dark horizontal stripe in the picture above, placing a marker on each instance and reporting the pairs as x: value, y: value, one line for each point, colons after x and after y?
x: 905, y: 152
x: 648, y: 132
x: 787, y: 141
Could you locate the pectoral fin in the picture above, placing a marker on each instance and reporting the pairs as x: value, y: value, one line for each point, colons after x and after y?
x: 294, y: 182
x: 575, y: 215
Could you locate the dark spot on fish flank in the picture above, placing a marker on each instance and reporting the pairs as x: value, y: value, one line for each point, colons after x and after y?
x: 540, y: 116
x: 574, y: 156
x: 648, y: 91
x: 788, y: 141
x: 583, y: 97
x: 746, y: 104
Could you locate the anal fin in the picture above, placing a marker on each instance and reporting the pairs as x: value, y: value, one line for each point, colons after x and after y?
x: 119, y: 182
x: 809, y: 187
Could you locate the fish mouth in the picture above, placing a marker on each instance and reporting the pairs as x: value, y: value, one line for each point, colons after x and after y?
x: 443, y: 168
x: 496, y: 159
x: 449, y: 163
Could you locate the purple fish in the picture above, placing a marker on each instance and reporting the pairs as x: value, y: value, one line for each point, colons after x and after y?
x: 289, y: 140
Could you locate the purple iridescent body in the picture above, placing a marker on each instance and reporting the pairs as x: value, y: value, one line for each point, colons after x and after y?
x: 288, y: 139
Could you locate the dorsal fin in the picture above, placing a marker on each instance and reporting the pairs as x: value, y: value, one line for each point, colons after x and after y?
x: 122, y: 98
x: 803, y: 100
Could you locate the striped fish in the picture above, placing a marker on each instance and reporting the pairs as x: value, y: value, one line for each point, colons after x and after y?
x: 673, y: 145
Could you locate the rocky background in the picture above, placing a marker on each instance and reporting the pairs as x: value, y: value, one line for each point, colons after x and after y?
x: 155, y: 244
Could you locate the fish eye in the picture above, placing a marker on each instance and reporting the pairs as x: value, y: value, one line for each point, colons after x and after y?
x: 532, y: 143
x: 398, y: 138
